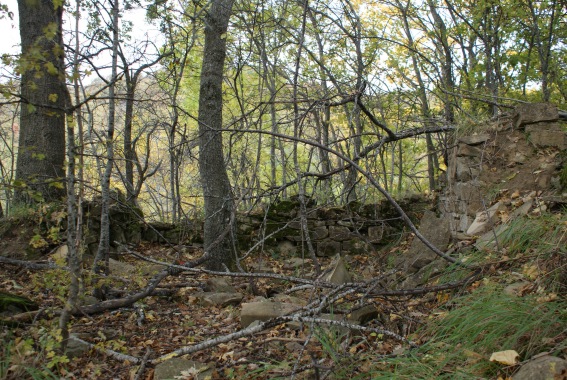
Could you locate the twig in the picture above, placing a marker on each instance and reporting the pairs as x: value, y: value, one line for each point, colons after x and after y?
x: 142, y: 368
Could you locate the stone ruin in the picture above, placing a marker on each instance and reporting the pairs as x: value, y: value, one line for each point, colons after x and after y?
x: 521, y: 154
x: 351, y: 229
x: 518, y: 159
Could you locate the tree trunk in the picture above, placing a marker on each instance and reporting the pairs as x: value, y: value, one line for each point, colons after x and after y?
x: 447, y: 79
x: 100, y: 264
x: 41, y: 152
x: 131, y: 83
x: 218, y: 229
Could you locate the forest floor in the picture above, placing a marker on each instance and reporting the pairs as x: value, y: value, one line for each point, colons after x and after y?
x: 178, y: 318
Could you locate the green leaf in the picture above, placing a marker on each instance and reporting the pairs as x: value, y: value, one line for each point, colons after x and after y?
x: 53, y: 97
x: 50, y: 67
x: 57, y: 185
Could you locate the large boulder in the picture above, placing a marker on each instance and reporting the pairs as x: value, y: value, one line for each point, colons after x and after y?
x: 545, y: 367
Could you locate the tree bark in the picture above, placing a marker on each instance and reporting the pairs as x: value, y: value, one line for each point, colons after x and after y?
x: 218, y: 226
x: 41, y: 154
x: 100, y: 264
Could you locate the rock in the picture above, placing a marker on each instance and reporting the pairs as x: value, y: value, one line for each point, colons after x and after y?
x: 339, y: 273
x: 286, y: 248
x: 171, y: 368
x: 485, y: 220
x: 60, y: 255
x: 151, y: 269
x: 516, y: 289
x: 547, y: 135
x: 285, y: 298
x: 339, y: 233
x: 355, y: 247
x: 543, y: 368
x: 295, y: 263
x: 76, y: 348
x: 437, y: 232
x: 489, y: 239
x: 264, y: 311
x: 470, y: 194
x: 363, y: 315
x: 376, y: 233
x: 319, y: 233
x: 328, y: 248
x: 220, y: 299
x: 524, y: 209
x: 530, y: 113
x: 219, y: 285
x: 474, y: 139
x: 119, y: 268
x: 466, y: 150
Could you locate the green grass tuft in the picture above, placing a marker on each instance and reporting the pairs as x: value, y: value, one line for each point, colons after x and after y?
x: 478, y: 324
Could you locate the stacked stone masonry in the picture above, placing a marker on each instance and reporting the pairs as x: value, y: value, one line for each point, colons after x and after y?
x: 519, y: 153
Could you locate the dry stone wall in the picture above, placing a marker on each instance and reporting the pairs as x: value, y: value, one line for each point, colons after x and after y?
x: 520, y: 156
x: 350, y: 229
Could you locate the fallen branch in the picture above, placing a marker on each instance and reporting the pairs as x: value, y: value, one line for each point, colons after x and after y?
x: 122, y: 302
x: 34, y: 265
x: 116, y: 355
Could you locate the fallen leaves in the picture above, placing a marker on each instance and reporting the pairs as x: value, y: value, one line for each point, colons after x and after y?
x: 507, y: 357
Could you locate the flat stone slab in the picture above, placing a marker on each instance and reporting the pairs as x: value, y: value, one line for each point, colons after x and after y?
x: 474, y: 139
x: 530, y: 113
x: 264, y: 311
x: 485, y: 220
x: 437, y: 232
x: 219, y: 285
x: 181, y: 368
x: 220, y: 299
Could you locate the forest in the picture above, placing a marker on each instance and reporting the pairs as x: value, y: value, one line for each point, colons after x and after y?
x: 202, y: 136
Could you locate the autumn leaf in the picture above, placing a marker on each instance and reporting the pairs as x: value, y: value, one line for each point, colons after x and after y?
x: 508, y: 357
